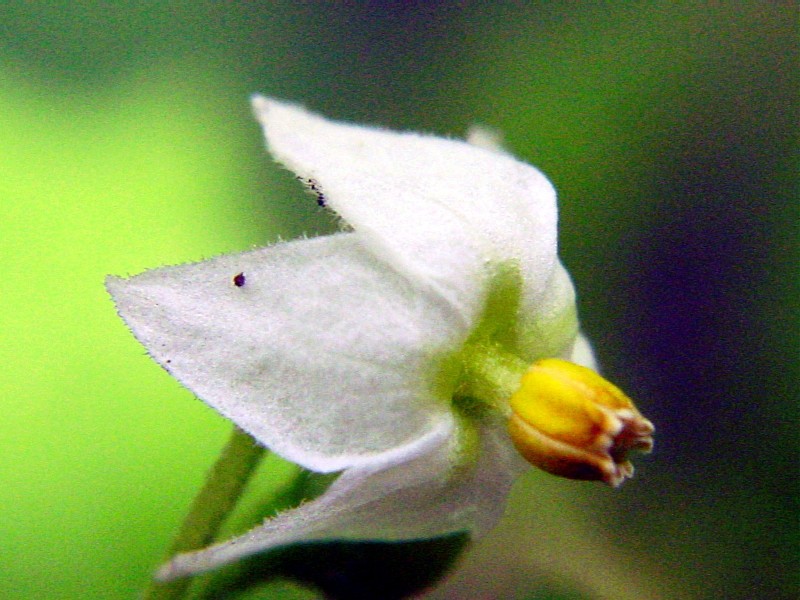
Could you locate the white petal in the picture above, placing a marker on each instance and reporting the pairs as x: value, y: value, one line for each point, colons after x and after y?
x: 582, y: 353
x: 547, y: 325
x: 443, y: 212
x: 418, y: 492
x: 324, y: 355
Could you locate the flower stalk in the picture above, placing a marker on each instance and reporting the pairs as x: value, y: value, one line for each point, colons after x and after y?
x: 224, y: 485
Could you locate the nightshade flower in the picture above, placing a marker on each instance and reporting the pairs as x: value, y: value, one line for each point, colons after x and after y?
x: 396, y: 352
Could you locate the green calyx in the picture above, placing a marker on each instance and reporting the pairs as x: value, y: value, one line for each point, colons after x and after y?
x: 482, y: 375
x: 487, y: 368
x: 490, y: 376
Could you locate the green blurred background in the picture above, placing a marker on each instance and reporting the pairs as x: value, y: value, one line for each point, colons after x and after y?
x: 670, y: 131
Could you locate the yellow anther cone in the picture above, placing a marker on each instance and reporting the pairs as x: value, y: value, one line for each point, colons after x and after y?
x: 567, y: 420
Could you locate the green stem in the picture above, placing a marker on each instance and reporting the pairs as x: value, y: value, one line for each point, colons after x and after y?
x: 225, y: 482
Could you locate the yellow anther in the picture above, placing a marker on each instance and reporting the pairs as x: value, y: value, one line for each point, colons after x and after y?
x: 569, y: 421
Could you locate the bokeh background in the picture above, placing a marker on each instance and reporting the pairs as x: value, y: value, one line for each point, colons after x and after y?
x: 670, y: 131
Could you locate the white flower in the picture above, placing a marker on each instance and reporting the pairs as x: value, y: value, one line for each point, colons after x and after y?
x: 388, y: 353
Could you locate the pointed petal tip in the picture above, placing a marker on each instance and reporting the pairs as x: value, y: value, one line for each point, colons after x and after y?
x: 112, y: 283
x: 165, y: 573
x: 267, y: 106
x: 178, y: 567
x: 120, y: 288
x: 259, y: 103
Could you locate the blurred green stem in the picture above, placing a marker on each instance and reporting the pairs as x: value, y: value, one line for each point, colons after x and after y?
x: 225, y: 482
